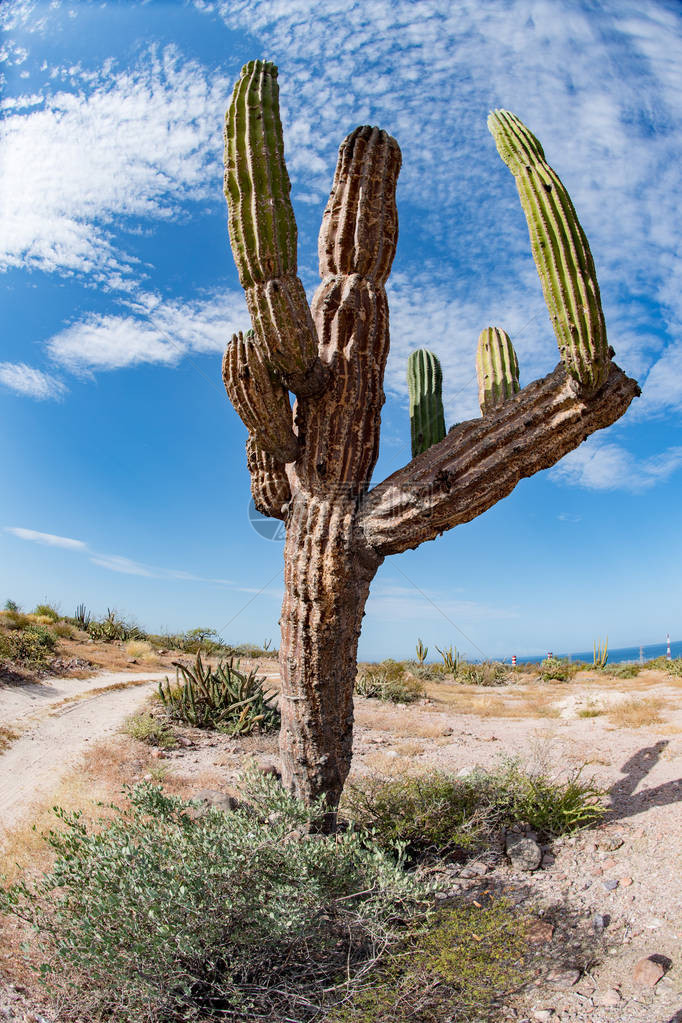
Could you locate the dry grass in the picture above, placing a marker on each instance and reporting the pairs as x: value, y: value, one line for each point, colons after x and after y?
x: 141, y: 650
x: 410, y: 749
x: 7, y: 737
x: 637, y: 712
x: 407, y: 724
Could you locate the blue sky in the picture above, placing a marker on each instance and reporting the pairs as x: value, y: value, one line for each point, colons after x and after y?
x: 124, y: 481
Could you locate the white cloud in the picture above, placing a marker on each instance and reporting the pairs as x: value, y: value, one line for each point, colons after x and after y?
x: 155, y: 332
x: 602, y: 465
x: 391, y: 601
x: 113, y: 562
x: 110, y: 145
x: 30, y: 381
x: 49, y: 539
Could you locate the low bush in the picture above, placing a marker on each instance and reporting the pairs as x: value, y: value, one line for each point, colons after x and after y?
x: 624, y: 670
x: 223, y: 697
x: 31, y: 647
x: 487, y: 673
x: 155, y: 731
x: 675, y: 667
x: 140, y: 649
x: 64, y: 629
x: 430, y: 672
x: 456, y: 967
x: 167, y: 916
x: 47, y: 611
x: 436, y: 815
x: 555, y: 669
x: 389, y: 685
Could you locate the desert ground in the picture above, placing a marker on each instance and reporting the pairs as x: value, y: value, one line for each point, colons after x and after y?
x: 605, y: 898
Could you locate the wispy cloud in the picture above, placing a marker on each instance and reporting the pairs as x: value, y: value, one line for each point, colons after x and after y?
x: 46, y: 538
x: 393, y: 601
x: 153, y: 332
x: 29, y: 381
x: 113, y: 562
x: 600, y: 465
x: 109, y: 145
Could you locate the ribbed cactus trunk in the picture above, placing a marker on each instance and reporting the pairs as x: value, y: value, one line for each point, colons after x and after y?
x: 311, y: 466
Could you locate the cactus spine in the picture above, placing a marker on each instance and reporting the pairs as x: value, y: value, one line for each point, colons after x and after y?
x: 561, y: 253
x: 497, y: 369
x: 425, y: 386
x: 332, y: 357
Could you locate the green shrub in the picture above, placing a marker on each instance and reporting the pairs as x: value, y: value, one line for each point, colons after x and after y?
x: 390, y: 685
x: 674, y: 667
x: 223, y: 697
x: 64, y: 629
x: 456, y: 967
x: 164, y: 916
x: 113, y: 628
x: 31, y: 647
x: 555, y: 669
x: 488, y: 673
x: 145, y: 727
x: 625, y: 670
x: 16, y: 620
x: 11, y: 605
x: 47, y: 611
x: 430, y: 672
x: 437, y: 816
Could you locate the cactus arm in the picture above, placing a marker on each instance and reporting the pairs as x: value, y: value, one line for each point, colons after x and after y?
x: 269, y: 482
x: 561, y: 253
x: 482, y: 460
x: 260, y: 399
x: 425, y: 387
x: 497, y: 369
x: 263, y: 229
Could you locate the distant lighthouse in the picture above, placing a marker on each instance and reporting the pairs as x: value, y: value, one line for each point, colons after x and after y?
x: 667, y: 653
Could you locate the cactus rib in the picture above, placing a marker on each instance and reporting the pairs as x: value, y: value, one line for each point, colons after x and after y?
x: 497, y: 368
x: 259, y: 397
x: 425, y: 385
x: 561, y: 253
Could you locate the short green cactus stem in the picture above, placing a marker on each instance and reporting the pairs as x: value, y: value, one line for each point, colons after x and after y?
x: 561, y: 253
x: 497, y: 368
x: 425, y: 386
x: 260, y: 398
x: 261, y: 218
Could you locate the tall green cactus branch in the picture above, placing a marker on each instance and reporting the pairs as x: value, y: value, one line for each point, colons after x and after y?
x: 425, y: 388
x: 313, y: 470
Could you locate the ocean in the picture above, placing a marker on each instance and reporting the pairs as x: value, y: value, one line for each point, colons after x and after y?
x: 618, y: 656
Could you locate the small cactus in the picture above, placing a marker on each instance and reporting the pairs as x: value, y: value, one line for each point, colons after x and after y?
x: 451, y: 658
x: 422, y: 651
x: 425, y: 386
x: 497, y: 368
x: 601, y: 653
x: 561, y: 253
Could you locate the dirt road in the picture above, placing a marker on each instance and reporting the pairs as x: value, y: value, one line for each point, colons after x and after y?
x: 56, y: 721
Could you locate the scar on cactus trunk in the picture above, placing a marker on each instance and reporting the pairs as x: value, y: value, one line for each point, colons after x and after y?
x: 311, y: 467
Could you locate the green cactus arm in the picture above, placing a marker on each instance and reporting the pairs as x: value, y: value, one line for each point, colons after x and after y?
x: 425, y: 387
x: 497, y: 368
x: 259, y: 397
x: 561, y: 253
x: 263, y: 229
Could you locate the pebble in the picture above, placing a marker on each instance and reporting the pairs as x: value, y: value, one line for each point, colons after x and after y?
x: 565, y: 976
x: 474, y: 869
x: 625, y: 882
x: 647, y: 972
x: 609, y: 998
x: 540, y: 932
x: 543, y: 1014
x: 610, y: 885
x: 599, y: 922
x: 524, y: 852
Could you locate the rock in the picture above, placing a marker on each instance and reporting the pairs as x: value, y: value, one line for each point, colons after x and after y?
x: 609, y: 998
x: 184, y: 742
x: 543, y: 1014
x: 217, y: 799
x: 540, y: 932
x: 625, y: 882
x: 610, y: 842
x: 474, y: 869
x: 563, y: 976
x: 157, y: 754
x: 647, y: 972
x: 599, y: 922
x: 610, y: 885
x: 609, y: 863
x: 270, y: 771
x: 525, y: 853
x: 548, y: 860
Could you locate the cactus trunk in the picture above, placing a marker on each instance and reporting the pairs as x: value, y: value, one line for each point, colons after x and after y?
x: 312, y: 467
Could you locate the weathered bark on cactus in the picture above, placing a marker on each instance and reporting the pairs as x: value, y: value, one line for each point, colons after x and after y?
x: 425, y: 390
x: 497, y: 369
x: 333, y: 358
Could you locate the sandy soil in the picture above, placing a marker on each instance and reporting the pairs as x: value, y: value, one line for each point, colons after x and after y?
x: 609, y: 896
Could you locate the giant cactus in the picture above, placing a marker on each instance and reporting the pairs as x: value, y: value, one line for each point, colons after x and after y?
x: 312, y: 468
